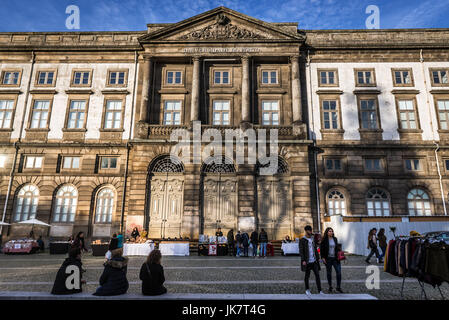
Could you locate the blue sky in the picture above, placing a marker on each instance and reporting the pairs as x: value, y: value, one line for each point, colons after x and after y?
x: 128, y: 15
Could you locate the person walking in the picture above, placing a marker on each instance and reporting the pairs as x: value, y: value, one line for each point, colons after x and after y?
x: 70, y: 265
x: 231, y: 242
x: 309, y: 259
x: 372, y: 245
x: 329, y: 253
x: 382, y: 242
x: 113, y: 244
x: 113, y: 280
x: 263, y: 240
x: 79, y: 242
x: 245, y: 243
x: 255, y: 242
x: 238, y: 240
x: 152, y: 275
x: 120, y: 240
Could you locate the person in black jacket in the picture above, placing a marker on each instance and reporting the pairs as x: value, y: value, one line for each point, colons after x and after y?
x: 310, y: 260
x: 152, y: 275
x: 263, y: 240
x: 71, y: 267
x: 135, y: 233
x: 245, y: 243
x: 113, y: 280
x: 238, y: 241
x: 254, y: 241
x: 329, y: 248
x: 79, y: 242
x: 231, y: 242
x: 372, y: 245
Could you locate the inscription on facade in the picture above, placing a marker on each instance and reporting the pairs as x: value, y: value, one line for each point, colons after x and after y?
x: 220, y: 50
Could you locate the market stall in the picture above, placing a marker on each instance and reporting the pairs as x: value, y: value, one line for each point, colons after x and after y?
x: 99, y: 248
x: 212, y: 246
x: 290, y: 248
x: 21, y: 246
x: 138, y: 249
x: 174, y: 248
x: 59, y: 247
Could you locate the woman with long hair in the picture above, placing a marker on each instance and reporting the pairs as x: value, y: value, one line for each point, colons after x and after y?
x: 79, y: 242
x: 372, y: 245
x: 152, y: 275
x: 382, y: 242
x: 329, y: 248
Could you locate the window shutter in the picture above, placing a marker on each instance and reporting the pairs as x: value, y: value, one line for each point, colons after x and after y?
x: 22, y: 159
x: 97, y: 162
x: 58, y: 164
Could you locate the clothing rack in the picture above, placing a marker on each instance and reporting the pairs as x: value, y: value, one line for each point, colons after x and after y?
x: 404, y: 276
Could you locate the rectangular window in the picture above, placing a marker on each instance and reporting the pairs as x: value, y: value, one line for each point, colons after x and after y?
x: 368, y: 114
x: 365, y: 77
x: 412, y: 165
x: 443, y: 114
x: 269, y: 77
x: 270, y: 113
x: 2, y: 161
x: 174, y: 77
x: 113, y: 114
x: 221, y: 110
x: 329, y: 114
x: 117, y: 78
x: 108, y: 163
x: 71, y: 163
x: 407, y: 114
x: 328, y: 77
x: 172, y: 112
x: 403, y: 77
x: 11, y: 77
x: 39, y: 116
x: 77, y: 114
x: 446, y: 164
x: 440, y: 77
x: 81, y: 78
x: 333, y: 165
x: 373, y: 165
x: 45, y: 77
x: 33, y: 162
x: 6, y: 110
x: 221, y: 77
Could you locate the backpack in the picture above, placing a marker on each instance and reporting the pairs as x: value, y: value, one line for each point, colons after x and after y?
x: 238, y: 237
x: 245, y: 239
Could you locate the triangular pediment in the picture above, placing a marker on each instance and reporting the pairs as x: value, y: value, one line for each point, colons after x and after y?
x: 222, y: 24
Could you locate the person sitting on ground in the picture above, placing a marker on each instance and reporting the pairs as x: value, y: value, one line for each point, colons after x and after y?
x: 152, y: 275
x: 64, y: 272
x: 41, y: 244
x: 113, y: 281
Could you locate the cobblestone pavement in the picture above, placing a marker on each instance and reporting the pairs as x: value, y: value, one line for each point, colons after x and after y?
x: 211, y: 275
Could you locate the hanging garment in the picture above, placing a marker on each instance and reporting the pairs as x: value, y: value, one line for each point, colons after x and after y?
x: 437, y: 261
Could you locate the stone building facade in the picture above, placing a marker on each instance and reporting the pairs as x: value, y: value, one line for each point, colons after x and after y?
x: 87, y: 119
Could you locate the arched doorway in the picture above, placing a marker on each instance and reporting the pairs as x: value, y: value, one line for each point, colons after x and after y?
x: 166, y: 185
x: 274, y: 205
x: 219, y: 195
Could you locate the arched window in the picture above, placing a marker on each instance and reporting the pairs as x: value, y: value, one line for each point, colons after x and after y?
x: 336, y: 203
x: 378, y: 202
x: 218, y: 165
x: 280, y: 168
x: 65, y: 206
x: 165, y: 164
x: 26, y: 203
x: 105, y: 205
x: 418, y: 203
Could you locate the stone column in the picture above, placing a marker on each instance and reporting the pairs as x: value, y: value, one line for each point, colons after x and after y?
x: 143, y: 117
x: 296, y: 91
x: 246, y: 112
x: 195, y: 103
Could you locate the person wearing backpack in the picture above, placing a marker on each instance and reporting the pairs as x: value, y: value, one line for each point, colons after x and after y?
x: 238, y: 240
x: 245, y: 243
x: 329, y: 248
x: 152, y: 275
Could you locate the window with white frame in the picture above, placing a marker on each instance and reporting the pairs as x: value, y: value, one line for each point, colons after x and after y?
x: 333, y: 165
x: 336, y: 203
x: 45, y: 77
x: 328, y: 77
x: 418, y: 203
x: 81, y: 78
x: 6, y: 110
x: 378, y: 202
x: 108, y: 163
x: 65, y: 204
x: 33, y: 162
x: 365, y: 77
x: 104, y: 206
x: 69, y: 162
x: 220, y: 112
x: 368, y: 114
x: 407, y: 114
x: 172, y: 112
x: 117, y: 78
x: 440, y: 77
x: 374, y: 164
x: 412, y: 164
x: 174, y: 77
x: 77, y: 114
x: 26, y: 203
x: 443, y: 114
x: 39, y: 117
x: 113, y: 114
x: 269, y: 77
x: 2, y: 161
x: 11, y: 77
x: 330, y: 114
x: 402, y: 77
x: 221, y: 77
x: 270, y: 112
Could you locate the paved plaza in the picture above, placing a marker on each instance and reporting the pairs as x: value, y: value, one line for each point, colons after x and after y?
x: 210, y: 275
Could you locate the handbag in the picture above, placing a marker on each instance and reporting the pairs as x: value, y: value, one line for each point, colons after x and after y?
x: 341, y: 255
